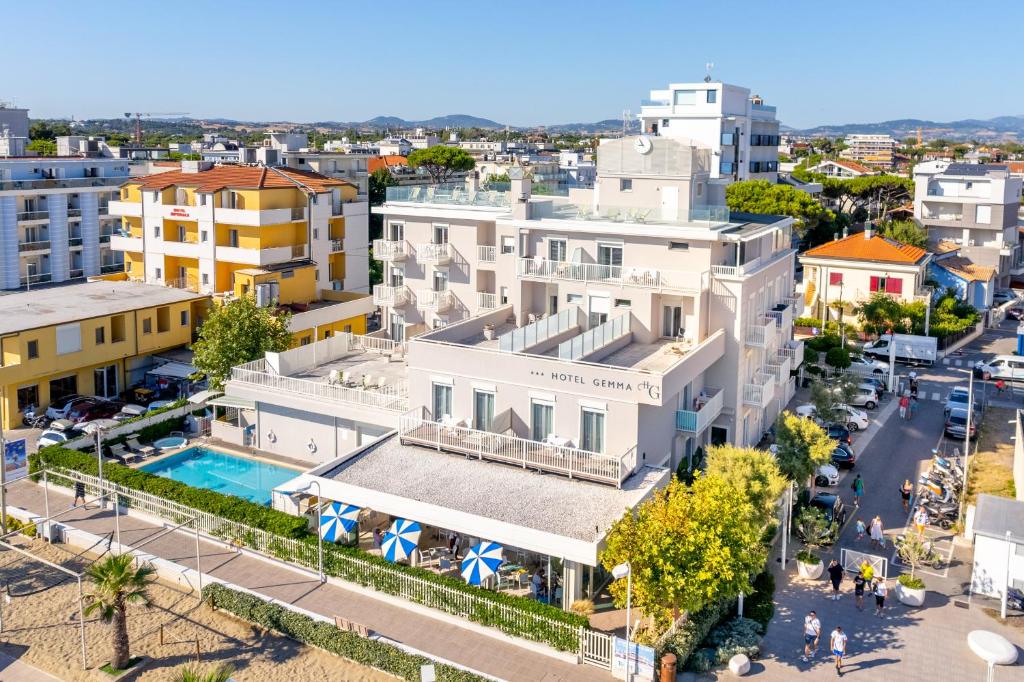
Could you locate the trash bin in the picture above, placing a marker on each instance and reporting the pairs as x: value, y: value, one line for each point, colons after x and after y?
x: 668, y: 668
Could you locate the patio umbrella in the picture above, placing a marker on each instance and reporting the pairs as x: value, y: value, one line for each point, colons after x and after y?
x: 401, y: 539
x: 481, y: 562
x: 337, y: 518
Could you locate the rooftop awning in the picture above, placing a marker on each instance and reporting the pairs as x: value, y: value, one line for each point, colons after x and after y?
x: 174, y: 370
x: 203, y: 396
x: 231, y: 401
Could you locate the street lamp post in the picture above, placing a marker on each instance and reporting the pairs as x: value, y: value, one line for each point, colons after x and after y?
x: 319, y: 535
x: 625, y: 570
x: 1006, y: 583
x: 967, y: 443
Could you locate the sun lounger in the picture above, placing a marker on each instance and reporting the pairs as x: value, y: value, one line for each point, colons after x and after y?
x: 144, y: 450
x: 119, y: 453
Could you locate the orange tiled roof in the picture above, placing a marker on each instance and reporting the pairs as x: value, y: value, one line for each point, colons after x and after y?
x: 854, y: 166
x: 390, y: 160
x: 946, y: 246
x: 240, y: 177
x: 857, y: 247
x: 1016, y: 167
x: 966, y: 269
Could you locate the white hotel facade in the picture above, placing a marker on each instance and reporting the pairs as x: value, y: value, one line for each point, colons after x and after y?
x: 545, y: 362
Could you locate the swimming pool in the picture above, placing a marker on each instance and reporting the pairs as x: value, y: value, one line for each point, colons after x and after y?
x: 204, y: 468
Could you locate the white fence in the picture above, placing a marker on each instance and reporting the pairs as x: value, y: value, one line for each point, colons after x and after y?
x: 486, y: 254
x: 390, y: 397
x: 852, y: 560
x: 596, y: 338
x: 541, y: 330
x: 644, y: 278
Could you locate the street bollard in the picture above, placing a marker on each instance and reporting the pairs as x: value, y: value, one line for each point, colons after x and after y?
x: 668, y: 668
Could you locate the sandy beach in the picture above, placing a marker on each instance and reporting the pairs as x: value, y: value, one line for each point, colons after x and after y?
x: 40, y: 627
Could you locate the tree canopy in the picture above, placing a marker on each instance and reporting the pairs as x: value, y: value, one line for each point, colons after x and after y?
x: 802, y: 446
x: 237, y: 332
x: 441, y: 162
x: 761, y: 196
x: 753, y: 473
x: 905, y: 232
x: 688, y: 546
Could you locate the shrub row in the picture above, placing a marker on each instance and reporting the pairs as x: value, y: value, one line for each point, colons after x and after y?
x: 347, y: 563
x: 379, y: 655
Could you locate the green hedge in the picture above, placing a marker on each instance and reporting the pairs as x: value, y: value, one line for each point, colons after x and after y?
x: 379, y: 655
x: 226, y: 506
x: 807, y: 322
x: 487, y: 609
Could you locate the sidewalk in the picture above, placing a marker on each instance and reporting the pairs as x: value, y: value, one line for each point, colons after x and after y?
x: 13, y: 670
x: 434, y: 637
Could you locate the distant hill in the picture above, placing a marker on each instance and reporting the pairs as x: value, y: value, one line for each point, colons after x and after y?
x: 1001, y: 128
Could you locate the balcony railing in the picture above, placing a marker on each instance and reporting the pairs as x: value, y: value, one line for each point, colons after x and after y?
x: 559, y: 459
x: 783, y: 316
x: 594, y: 339
x: 794, y: 350
x: 33, y: 215
x: 391, y: 296
x: 34, y: 246
x: 486, y: 301
x: 433, y: 253
x: 750, y: 267
x: 759, y: 393
x: 393, y: 398
x: 337, y: 245
x: 536, y: 332
x: 384, y: 249
x: 456, y: 195
x: 111, y: 267
x: 75, y: 273
x: 62, y: 183
x: 37, y: 278
x: 439, y: 301
x: 761, y: 331
x: 74, y: 213
x: 645, y: 278
x: 105, y: 238
x: 708, y: 406
x: 74, y: 241
x: 486, y: 254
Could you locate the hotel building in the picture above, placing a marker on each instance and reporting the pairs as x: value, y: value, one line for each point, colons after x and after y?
x: 54, y: 222
x: 873, y: 150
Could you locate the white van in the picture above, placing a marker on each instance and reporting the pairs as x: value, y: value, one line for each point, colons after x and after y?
x: 1005, y: 367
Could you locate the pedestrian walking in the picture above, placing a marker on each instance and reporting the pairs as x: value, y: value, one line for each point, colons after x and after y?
x: 861, y: 529
x: 904, y: 406
x: 881, y: 592
x: 913, y: 405
x: 877, y: 533
x: 837, y: 642
x: 920, y: 520
x: 906, y: 490
x: 812, y: 630
x: 835, y: 574
x: 858, y: 490
x: 1000, y: 386
x: 859, y: 583
x: 79, y: 493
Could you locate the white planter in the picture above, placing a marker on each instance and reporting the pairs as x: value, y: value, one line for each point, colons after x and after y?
x: 810, y: 571
x: 910, y: 597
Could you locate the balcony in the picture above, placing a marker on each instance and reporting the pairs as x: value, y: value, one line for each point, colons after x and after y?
x: 644, y: 278
x: 450, y: 195
x: 33, y: 215
x: 105, y: 238
x: 126, y: 242
x: 783, y: 315
x: 709, y: 406
x: 108, y: 268
x: 558, y: 459
x: 760, y: 392
x: 74, y: 241
x: 386, y: 250
x: 62, y: 183
x: 486, y: 301
x: 438, y: 254
x: 486, y: 254
x: 761, y: 332
x: 391, y: 296
x: 438, y: 301
x: 39, y: 278
x: 74, y: 213
x: 128, y: 209
x: 337, y: 245
x: 76, y: 273
x: 794, y: 351
x: 33, y: 246
x: 241, y: 216
x: 779, y: 368
x: 258, y: 257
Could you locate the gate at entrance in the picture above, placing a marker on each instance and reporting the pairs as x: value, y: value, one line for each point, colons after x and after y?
x: 852, y: 560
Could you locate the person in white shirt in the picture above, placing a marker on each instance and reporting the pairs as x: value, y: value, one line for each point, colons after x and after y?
x: 881, y: 592
x: 812, y: 630
x: 837, y: 642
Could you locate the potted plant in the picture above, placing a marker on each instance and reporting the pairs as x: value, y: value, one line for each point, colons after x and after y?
x: 489, y: 332
x: 913, y: 551
x: 812, y: 527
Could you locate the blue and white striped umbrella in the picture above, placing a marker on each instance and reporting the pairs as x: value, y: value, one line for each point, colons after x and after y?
x: 400, y: 540
x: 337, y: 518
x: 481, y: 562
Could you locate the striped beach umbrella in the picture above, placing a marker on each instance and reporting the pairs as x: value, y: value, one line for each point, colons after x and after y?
x: 337, y: 518
x: 401, y: 539
x: 481, y: 562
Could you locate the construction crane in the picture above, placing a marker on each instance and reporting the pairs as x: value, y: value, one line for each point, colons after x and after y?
x: 138, y: 120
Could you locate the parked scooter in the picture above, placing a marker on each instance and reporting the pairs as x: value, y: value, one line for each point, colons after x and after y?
x: 951, y: 466
x: 30, y: 418
x: 943, y: 516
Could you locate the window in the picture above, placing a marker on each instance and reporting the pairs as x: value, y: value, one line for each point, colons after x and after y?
x: 163, y: 319
x: 184, y: 318
x: 679, y: 246
x: 728, y: 139
x: 503, y: 295
x: 233, y: 238
x: 156, y: 230
x: 440, y: 280
x: 893, y: 285
x: 984, y: 215
x: 542, y: 419
x: 204, y: 236
x: 755, y: 140
x: 305, y: 340
x: 700, y: 189
x: 609, y: 254
x: 664, y: 123
x: 105, y: 381
x: 441, y: 405
x: 508, y: 244
x: 63, y: 387
x: 835, y: 278
x: 685, y: 97
x: 592, y: 430
x: 712, y: 96
x: 557, y: 250
x: 483, y: 409
x: 28, y: 396
x: 623, y: 303
x: 69, y: 338
x: 576, y: 299
x: 206, y: 278
x: 181, y: 233
x: 117, y: 329
x: 287, y: 274
x: 316, y: 233
x: 101, y: 335
x: 147, y: 325
x: 625, y: 184
x: 440, y: 234
x: 159, y: 273
x: 877, y: 284
x: 726, y: 167
x: 396, y: 231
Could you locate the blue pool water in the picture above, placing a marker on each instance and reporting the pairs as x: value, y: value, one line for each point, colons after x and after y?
x: 202, y: 468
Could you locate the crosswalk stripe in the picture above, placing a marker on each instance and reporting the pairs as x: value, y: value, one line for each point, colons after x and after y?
x: 945, y: 361
x: 959, y: 363
x: 936, y: 396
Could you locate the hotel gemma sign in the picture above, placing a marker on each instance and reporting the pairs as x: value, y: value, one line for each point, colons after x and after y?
x: 639, y: 389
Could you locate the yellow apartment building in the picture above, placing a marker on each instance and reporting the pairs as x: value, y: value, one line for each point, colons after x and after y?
x: 88, y: 338
x: 294, y: 239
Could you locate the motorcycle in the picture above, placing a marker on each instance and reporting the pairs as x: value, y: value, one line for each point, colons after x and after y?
x: 943, y: 516
x: 950, y: 466
x: 31, y: 419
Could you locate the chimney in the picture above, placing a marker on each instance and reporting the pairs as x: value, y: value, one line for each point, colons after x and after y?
x: 869, y: 231
x: 846, y: 232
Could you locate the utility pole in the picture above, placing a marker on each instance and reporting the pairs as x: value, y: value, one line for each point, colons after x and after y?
x: 967, y: 444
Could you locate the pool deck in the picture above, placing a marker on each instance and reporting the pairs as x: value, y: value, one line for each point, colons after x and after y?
x: 230, y: 449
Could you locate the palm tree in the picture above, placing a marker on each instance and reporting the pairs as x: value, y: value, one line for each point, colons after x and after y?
x: 116, y: 583
x: 192, y: 674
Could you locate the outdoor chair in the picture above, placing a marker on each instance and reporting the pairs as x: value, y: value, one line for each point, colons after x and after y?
x: 119, y: 453
x: 333, y: 378
x: 367, y: 382
x: 135, y: 446
x: 444, y: 564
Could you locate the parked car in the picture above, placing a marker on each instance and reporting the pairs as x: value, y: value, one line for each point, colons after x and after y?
x: 957, y: 398
x: 866, y: 366
x: 1003, y: 296
x: 130, y: 411
x: 956, y: 423
x: 1005, y: 367
x: 58, y: 409
x: 909, y: 349
x: 826, y: 475
x: 52, y: 437
x: 839, y: 433
x: 851, y: 417
x: 843, y: 456
x: 1015, y: 313
x: 831, y: 506
x: 87, y: 411
x: 95, y: 425
x: 865, y: 396
x: 875, y: 382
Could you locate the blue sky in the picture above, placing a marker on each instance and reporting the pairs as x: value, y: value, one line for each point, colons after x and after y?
x: 517, y: 62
